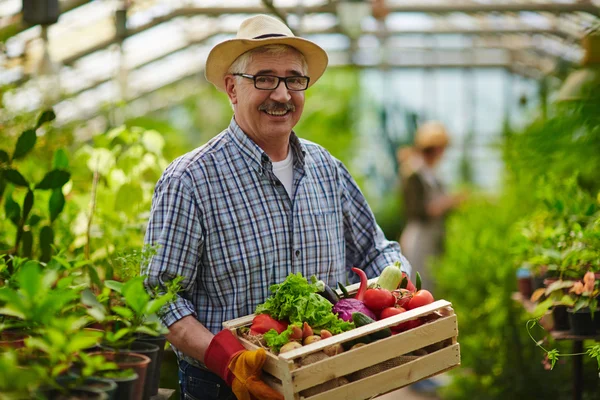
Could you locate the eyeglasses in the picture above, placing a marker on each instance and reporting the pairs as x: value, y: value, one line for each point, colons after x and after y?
x: 271, y: 82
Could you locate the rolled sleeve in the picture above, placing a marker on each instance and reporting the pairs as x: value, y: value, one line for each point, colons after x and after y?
x: 175, y: 231
x: 366, y: 244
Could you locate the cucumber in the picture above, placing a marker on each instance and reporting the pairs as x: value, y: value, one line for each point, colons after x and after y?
x: 359, y: 320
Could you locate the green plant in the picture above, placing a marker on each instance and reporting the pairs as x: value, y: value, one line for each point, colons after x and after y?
x: 18, y: 206
x: 127, y: 309
x: 553, y: 355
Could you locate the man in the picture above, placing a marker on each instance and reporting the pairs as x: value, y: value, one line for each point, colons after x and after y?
x: 253, y: 205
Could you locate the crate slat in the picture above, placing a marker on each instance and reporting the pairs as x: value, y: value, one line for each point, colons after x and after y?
x: 365, y: 330
x: 442, y: 360
x: 366, y: 356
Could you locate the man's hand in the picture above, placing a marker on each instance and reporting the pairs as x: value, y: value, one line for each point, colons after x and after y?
x: 239, y: 368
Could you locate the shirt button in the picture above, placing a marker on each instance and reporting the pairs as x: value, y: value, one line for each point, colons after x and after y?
x: 297, y: 253
x: 265, y: 158
x: 277, y: 183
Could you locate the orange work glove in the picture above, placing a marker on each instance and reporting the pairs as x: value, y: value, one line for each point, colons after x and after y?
x: 247, y: 385
x: 238, y: 367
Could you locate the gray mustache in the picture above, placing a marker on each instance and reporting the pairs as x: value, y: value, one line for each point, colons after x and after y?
x: 277, y: 107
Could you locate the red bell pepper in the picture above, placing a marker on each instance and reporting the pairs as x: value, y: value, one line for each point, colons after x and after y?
x: 263, y: 323
x: 360, y: 295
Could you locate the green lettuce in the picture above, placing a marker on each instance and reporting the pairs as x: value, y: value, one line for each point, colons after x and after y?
x: 296, y: 300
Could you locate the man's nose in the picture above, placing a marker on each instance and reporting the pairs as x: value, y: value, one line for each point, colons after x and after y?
x: 281, y: 93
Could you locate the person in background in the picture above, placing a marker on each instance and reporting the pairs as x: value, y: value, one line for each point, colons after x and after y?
x: 426, y: 202
x: 253, y: 205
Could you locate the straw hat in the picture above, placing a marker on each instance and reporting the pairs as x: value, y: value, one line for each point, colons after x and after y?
x: 431, y: 134
x: 258, y: 31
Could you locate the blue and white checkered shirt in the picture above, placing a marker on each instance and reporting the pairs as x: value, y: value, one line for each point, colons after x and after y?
x: 223, y: 221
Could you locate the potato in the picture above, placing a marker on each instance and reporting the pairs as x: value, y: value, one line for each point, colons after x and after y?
x: 289, y: 346
x: 311, y: 339
x: 333, y: 349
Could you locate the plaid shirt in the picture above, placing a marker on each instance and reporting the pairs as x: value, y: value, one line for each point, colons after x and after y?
x: 223, y: 221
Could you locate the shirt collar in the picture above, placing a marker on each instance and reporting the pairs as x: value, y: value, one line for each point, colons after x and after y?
x: 255, y: 155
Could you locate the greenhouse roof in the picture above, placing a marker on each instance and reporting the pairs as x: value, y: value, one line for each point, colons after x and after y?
x: 166, y: 41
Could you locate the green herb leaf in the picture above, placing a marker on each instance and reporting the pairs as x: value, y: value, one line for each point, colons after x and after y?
x: 60, y: 160
x: 24, y: 144
x: 4, y: 157
x: 54, y: 179
x: 56, y: 203
x: 15, y: 177
x: 46, y: 116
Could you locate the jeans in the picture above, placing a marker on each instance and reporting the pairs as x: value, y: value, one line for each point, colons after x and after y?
x: 199, y: 384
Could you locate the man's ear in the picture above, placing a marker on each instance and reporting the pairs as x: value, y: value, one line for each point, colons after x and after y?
x: 231, y: 88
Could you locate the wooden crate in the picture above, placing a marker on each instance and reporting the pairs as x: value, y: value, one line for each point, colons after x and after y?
x: 438, y: 335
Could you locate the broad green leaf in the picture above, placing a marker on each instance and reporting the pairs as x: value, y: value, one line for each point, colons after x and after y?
x: 11, y: 310
x: 24, y: 144
x: 65, y: 282
x: 56, y: 203
x: 114, y: 285
x: 12, y: 210
x: 155, y: 305
x: 4, y: 157
x: 121, y: 333
x: 96, y: 313
x: 60, y: 160
x: 34, y: 219
x: 135, y: 295
x: 145, y: 330
x: 38, y: 343
x: 542, y: 308
x: 29, y: 277
x: 28, y: 203
x: 123, y: 312
x: 54, y: 179
x: 46, y: 116
x: 88, y: 298
x: 46, y: 242
x: 15, y: 177
x: 81, y: 342
x: 129, y: 197
x: 26, y: 244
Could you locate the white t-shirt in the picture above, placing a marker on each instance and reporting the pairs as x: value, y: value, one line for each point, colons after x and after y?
x: 284, y: 171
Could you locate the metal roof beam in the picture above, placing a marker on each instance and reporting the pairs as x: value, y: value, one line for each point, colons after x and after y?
x: 414, y: 7
x: 15, y: 24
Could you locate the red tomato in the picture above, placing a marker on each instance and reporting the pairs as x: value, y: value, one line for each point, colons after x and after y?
x: 403, y: 326
x: 410, y: 324
x: 390, y: 312
x: 420, y: 298
x: 378, y: 299
x: 403, y: 296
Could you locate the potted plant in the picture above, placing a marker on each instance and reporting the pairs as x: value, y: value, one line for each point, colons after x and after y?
x: 127, y: 311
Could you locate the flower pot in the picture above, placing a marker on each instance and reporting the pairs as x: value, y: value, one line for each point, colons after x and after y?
x: 138, y: 362
x: 160, y: 341
x: 125, y: 386
x: 151, y: 351
x: 581, y: 322
x: 103, y: 385
x: 73, y: 394
x: 561, y: 318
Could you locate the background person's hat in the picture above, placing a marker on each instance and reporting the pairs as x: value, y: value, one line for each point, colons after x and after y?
x: 258, y: 31
x: 430, y: 134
